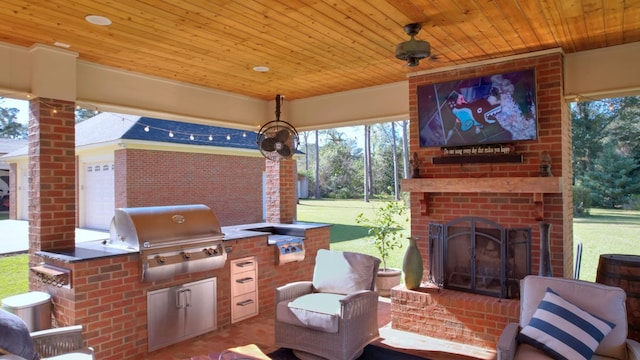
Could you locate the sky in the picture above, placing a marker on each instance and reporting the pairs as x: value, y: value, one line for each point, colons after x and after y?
x: 22, y: 105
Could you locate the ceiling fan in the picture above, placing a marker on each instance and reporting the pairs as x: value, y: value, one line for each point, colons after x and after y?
x: 278, y: 139
x: 413, y: 51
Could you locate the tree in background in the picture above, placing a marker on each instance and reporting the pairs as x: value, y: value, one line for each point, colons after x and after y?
x: 83, y: 114
x: 340, y: 166
x: 344, y: 170
x: 606, y: 152
x: 613, y: 178
x: 10, y: 128
x: 385, y: 160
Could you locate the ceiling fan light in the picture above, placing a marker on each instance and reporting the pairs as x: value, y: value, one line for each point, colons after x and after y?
x: 413, y: 62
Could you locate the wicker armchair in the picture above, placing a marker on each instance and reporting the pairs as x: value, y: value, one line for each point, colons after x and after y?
x: 61, y: 343
x: 335, y: 315
x: 64, y: 343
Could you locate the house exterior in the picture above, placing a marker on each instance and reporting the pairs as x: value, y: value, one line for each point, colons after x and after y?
x: 6, y: 146
x: 162, y: 162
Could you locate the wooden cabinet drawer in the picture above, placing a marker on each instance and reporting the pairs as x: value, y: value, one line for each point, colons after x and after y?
x: 242, y: 265
x: 244, y: 282
x: 244, y: 306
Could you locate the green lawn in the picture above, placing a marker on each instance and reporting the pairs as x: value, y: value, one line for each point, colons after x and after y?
x: 15, y: 275
x: 345, y: 233
x: 603, y: 232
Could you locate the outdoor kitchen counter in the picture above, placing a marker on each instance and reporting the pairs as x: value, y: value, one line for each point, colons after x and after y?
x: 84, y: 251
x: 96, y: 249
x: 275, y: 231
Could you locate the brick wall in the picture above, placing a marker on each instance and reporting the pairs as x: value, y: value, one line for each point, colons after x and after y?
x: 465, y: 318
x: 230, y: 185
x: 52, y: 174
x: 108, y: 299
x: 507, y: 209
x: 281, y: 191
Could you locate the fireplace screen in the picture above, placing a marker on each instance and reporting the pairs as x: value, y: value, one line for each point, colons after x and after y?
x: 479, y: 256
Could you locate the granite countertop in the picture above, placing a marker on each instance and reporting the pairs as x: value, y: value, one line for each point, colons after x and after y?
x: 97, y: 249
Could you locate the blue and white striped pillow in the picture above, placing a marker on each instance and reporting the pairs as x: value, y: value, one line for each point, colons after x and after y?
x: 563, y: 330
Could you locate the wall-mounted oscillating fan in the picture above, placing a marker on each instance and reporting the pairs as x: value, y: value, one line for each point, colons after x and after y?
x: 278, y: 139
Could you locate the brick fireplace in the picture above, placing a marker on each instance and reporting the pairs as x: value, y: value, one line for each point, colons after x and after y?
x: 511, y: 194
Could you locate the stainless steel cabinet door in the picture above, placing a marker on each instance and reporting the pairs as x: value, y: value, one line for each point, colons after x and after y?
x: 165, y: 317
x: 201, y: 306
x: 180, y: 312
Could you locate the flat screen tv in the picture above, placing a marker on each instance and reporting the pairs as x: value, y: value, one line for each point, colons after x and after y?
x: 493, y: 109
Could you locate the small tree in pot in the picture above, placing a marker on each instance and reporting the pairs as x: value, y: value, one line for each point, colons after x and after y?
x: 385, y: 229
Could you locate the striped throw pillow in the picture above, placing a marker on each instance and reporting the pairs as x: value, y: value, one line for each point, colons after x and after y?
x: 563, y: 330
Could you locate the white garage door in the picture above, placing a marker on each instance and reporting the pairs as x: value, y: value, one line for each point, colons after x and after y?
x: 99, y: 196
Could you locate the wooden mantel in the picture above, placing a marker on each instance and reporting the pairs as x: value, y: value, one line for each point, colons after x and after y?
x: 537, y: 186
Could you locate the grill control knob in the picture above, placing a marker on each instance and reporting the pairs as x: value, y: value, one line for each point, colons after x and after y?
x: 209, y: 251
x: 186, y: 255
x: 160, y: 259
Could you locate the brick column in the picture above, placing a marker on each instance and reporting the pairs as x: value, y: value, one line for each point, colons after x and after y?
x: 52, y: 175
x: 281, y: 191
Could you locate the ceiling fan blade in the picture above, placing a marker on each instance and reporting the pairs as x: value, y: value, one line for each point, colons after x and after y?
x: 268, y: 144
x: 282, y: 135
x: 284, y: 151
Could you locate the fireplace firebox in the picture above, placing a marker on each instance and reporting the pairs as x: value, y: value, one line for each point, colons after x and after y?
x: 480, y: 256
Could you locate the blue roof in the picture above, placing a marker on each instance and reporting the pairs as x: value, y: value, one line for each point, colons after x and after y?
x: 151, y: 129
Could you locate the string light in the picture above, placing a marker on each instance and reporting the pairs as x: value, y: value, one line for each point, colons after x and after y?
x: 147, y: 128
x: 610, y: 105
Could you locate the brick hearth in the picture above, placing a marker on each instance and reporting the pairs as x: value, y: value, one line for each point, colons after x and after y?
x: 465, y: 318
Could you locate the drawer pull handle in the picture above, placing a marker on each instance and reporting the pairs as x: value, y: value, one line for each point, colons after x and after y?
x: 244, y: 264
x: 245, y: 303
x: 244, y: 280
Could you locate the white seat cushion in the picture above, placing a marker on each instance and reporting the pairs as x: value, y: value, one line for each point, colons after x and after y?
x: 319, y: 311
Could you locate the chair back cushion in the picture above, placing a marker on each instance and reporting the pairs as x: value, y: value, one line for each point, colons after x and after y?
x: 602, y: 301
x: 15, y: 337
x: 341, y: 272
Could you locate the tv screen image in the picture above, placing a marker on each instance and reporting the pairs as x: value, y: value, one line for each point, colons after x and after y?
x: 493, y: 109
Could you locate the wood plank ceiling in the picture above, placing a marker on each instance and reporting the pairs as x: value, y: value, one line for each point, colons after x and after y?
x: 312, y: 47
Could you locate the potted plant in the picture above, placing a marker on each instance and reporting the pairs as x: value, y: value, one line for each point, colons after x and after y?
x: 385, y: 229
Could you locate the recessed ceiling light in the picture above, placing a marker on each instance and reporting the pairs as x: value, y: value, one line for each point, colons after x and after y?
x: 61, y: 44
x: 261, y: 68
x: 98, y: 20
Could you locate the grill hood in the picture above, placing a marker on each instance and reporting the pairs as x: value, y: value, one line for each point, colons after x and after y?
x: 172, y: 240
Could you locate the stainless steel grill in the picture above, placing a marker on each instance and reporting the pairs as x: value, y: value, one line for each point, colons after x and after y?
x: 171, y: 240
